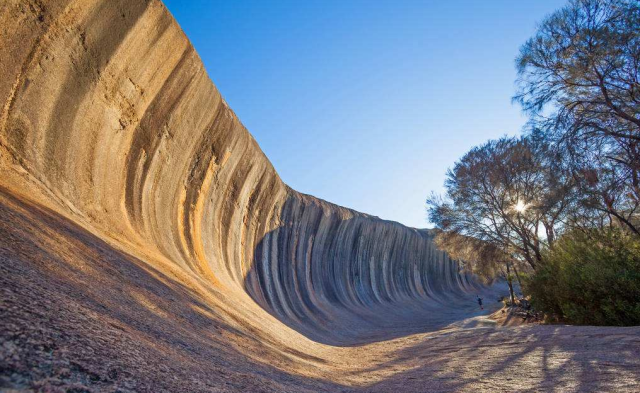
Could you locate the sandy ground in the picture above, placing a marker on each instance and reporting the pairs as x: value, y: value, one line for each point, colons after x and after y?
x: 78, y: 315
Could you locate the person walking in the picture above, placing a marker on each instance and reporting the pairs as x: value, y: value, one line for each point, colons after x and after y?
x: 480, y: 302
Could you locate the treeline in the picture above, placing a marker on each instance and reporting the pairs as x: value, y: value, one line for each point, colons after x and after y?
x: 558, y: 208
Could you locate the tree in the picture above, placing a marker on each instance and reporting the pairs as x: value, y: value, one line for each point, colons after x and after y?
x: 507, y: 193
x: 607, y: 191
x: 578, y: 77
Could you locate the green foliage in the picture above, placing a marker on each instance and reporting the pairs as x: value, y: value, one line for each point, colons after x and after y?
x: 590, y: 278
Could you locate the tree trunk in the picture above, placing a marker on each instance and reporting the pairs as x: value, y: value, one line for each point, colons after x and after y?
x: 509, y: 281
x: 528, y: 257
x: 518, y: 278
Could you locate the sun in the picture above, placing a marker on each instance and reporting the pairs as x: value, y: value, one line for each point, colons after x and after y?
x: 520, y: 207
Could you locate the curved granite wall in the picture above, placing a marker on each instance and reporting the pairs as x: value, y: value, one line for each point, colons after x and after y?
x: 326, y: 265
x: 108, y: 112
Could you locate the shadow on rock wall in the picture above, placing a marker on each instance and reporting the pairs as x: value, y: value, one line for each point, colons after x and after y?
x: 345, y: 278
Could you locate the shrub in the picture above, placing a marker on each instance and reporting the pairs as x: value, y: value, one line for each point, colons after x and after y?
x: 590, y: 278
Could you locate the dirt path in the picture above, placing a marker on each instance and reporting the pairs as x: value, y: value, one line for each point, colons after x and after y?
x: 78, y: 315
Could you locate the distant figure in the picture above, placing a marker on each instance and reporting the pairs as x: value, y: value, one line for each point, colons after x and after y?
x: 480, y: 303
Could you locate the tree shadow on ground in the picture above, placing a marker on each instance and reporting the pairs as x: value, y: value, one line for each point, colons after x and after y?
x: 528, y: 358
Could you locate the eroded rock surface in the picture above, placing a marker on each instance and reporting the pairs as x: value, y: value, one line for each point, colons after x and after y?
x: 109, y: 111
x: 148, y: 244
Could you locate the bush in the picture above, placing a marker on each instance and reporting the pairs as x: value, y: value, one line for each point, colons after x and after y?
x: 590, y: 278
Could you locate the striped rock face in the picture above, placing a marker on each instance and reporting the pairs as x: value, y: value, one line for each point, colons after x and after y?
x: 109, y: 118
x: 148, y: 245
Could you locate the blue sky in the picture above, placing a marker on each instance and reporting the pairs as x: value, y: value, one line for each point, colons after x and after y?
x: 366, y: 103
